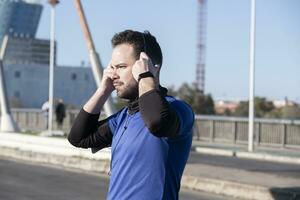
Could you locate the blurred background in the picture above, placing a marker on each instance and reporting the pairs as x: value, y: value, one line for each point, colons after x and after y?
x: 221, y: 27
x: 206, y: 47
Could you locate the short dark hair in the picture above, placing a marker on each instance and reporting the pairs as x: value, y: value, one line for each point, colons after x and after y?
x: 140, y: 42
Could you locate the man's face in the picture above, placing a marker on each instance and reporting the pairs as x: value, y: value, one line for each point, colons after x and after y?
x: 122, y: 60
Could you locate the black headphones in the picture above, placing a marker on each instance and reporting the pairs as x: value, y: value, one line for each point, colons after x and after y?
x: 146, y: 34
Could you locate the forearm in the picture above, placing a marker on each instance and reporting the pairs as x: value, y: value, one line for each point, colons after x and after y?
x: 84, y: 125
x: 88, y: 132
x: 96, y: 102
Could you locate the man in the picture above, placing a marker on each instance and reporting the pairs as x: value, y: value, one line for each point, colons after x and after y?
x: 150, y: 139
x: 45, y: 110
x: 60, y: 112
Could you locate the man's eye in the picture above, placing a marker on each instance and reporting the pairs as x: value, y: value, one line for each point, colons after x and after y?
x: 121, y: 66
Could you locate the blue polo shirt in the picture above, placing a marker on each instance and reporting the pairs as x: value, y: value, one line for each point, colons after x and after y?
x: 144, y: 166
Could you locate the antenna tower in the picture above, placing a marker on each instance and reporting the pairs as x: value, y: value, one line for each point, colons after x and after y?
x: 201, y: 47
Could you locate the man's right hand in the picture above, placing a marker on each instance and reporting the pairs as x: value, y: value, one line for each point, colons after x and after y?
x: 97, y: 101
x: 107, y: 80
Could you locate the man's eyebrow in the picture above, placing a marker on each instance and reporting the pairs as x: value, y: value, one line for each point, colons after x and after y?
x: 118, y: 65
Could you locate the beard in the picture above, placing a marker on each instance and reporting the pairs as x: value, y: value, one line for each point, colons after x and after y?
x: 129, y: 91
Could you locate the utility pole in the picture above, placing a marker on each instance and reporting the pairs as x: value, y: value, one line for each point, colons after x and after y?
x: 94, y: 56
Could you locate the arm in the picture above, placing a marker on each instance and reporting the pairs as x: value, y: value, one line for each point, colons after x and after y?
x: 160, y: 118
x: 87, y: 131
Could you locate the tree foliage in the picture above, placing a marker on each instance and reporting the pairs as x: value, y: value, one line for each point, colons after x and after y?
x: 204, y: 104
x: 266, y: 109
x: 261, y: 107
x: 200, y: 103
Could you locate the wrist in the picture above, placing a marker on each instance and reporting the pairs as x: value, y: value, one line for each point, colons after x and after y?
x: 103, y: 92
x: 146, y: 84
x: 145, y: 74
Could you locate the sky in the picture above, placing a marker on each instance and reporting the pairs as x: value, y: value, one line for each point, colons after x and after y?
x: 174, y: 23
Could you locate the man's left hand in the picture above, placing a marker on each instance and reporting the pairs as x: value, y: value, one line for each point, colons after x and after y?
x: 145, y: 64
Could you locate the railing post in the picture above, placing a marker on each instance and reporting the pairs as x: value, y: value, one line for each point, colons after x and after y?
x: 234, y: 132
x: 17, y: 116
x: 36, y: 119
x: 196, y: 131
x: 283, y: 134
x: 257, y: 135
x: 212, y: 130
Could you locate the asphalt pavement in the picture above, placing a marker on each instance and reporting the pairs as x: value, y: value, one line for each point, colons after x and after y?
x: 251, y: 165
x: 23, y: 180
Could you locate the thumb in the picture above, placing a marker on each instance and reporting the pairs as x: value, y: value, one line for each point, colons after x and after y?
x: 143, y: 55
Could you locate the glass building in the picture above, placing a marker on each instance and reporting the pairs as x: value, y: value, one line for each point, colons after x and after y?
x: 22, y: 50
x: 19, y: 18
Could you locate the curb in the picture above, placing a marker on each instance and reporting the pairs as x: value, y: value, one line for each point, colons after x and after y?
x: 248, y: 155
x: 75, y: 162
x: 236, y: 190
x: 218, y: 152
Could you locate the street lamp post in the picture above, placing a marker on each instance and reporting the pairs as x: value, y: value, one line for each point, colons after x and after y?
x: 251, y: 78
x: 53, y: 3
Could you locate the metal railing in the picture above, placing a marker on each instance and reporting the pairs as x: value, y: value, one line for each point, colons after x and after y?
x: 231, y: 130
x: 35, y: 120
x: 234, y: 130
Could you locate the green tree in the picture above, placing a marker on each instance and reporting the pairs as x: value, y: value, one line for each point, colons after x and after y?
x: 172, y: 91
x: 261, y: 105
x: 205, y: 105
x: 275, y: 113
x: 242, y: 109
x: 292, y: 112
x: 186, y: 93
x: 201, y: 104
x: 227, y: 112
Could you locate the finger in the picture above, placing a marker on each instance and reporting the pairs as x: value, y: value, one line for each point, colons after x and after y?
x: 143, y: 55
x: 108, y: 70
x: 108, y: 73
x: 109, y: 63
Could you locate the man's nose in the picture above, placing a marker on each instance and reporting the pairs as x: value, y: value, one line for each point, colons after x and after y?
x: 115, y: 74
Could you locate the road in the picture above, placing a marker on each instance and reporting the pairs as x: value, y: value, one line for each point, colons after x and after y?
x: 280, y: 169
x: 32, y: 181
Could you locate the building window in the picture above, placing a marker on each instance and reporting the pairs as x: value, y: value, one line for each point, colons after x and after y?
x: 74, y: 76
x: 17, y: 74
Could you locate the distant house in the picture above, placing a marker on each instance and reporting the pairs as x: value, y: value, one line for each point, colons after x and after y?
x: 284, y: 103
x: 222, y: 106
